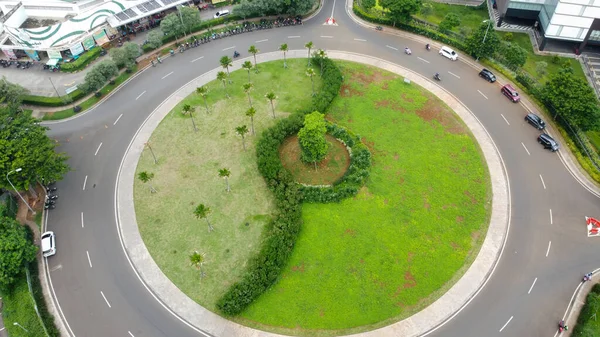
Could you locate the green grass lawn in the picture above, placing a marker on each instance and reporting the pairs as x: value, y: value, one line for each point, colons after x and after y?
x: 187, y: 175
x: 409, y: 234
x: 18, y: 307
x: 470, y: 17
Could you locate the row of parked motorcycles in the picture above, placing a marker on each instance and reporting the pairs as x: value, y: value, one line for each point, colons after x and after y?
x: 51, y: 197
x: 17, y: 64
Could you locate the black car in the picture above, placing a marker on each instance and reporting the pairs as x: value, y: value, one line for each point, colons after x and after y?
x: 487, y: 75
x: 548, y: 142
x: 535, y: 121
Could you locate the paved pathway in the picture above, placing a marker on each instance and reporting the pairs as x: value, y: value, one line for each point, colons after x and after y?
x: 434, y: 315
x: 3, y: 332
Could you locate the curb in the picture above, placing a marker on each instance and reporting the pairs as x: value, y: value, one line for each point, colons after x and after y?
x: 423, y: 323
x: 576, y: 303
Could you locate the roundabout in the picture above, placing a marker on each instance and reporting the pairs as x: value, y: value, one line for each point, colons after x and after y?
x: 108, y: 300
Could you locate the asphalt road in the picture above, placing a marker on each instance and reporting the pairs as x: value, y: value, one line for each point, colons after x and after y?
x: 546, y: 254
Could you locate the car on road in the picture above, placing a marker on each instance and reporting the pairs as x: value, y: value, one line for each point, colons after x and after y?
x: 222, y: 13
x: 449, y: 53
x: 487, y: 75
x: 548, y: 142
x: 511, y: 93
x: 48, y: 244
x: 535, y: 121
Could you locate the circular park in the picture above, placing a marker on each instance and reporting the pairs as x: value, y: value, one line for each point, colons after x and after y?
x: 312, y: 197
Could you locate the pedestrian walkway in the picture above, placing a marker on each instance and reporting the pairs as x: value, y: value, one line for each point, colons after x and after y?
x: 3, y: 332
x: 429, y: 318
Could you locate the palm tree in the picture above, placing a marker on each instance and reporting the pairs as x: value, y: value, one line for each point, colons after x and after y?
x: 253, y: 50
x: 197, y: 260
x: 242, y: 131
x: 203, y: 92
x: 248, y: 66
x: 284, y: 49
x: 247, y: 89
x: 188, y: 109
x: 145, y: 177
x: 310, y: 72
x: 321, y: 55
x: 226, y: 62
x: 225, y: 173
x: 271, y: 97
x: 222, y: 76
x: 201, y: 212
x: 250, y: 113
x: 309, y: 45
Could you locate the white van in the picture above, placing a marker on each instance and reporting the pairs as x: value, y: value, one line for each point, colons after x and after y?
x: 449, y: 53
x: 222, y: 13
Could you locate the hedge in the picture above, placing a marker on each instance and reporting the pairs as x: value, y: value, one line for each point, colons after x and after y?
x: 82, y: 61
x: 52, y: 101
x: 587, y: 311
x: 265, y: 268
x: 415, y: 27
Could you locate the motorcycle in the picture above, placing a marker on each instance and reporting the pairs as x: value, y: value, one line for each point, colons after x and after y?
x: 379, y: 28
x: 428, y: 47
x: 407, y: 51
x: 587, y: 277
x: 437, y: 77
x: 236, y: 54
x: 562, y: 326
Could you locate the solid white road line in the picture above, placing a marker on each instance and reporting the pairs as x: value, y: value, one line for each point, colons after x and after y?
x: 551, y: 216
x: 2, y: 329
x: 140, y: 95
x: 293, y: 37
x: 534, y: 281
x: 84, y: 182
x: 361, y: 40
x: 484, y: 96
x: 115, y: 123
x: 89, y: 260
x: 327, y: 36
x: 391, y: 47
x: 98, y: 149
x: 506, y: 120
x: 199, y: 58
x: 228, y: 48
x: 453, y: 74
x: 259, y: 41
x: 105, y: 299
x: 505, y: 324
x: 130, y: 334
x: 422, y: 59
x: 82, y: 220
x: 542, y: 179
x: 167, y: 75
x: 525, y: 148
x: 548, y: 250
x: 332, y: 9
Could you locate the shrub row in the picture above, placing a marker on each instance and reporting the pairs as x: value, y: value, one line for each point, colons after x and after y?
x: 413, y: 27
x: 353, y: 179
x: 52, y: 101
x: 587, y: 312
x: 82, y: 61
x: 281, y: 232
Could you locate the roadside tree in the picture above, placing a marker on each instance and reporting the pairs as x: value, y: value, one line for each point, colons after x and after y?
x: 108, y: 69
x: 189, y: 110
x: 16, y: 251
x: 222, y: 76
x: 514, y: 54
x: 12, y: 94
x: 126, y: 55
x: 309, y: 45
x: 310, y: 72
x: 154, y: 38
x: 253, y: 50
x: 247, y: 65
x: 401, y: 10
x: 201, y: 212
x: 247, y: 89
x: 271, y: 97
x: 197, y: 260
x: 226, y: 62
x: 93, y: 80
x: 284, y: 49
x: 146, y: 177
x: 450, y: 21
x: 203, y: 92
x: 176, y: 25
x: 483, y: 42
x: 312, y: 138
x: 225, y: 173
x: 320, y: 55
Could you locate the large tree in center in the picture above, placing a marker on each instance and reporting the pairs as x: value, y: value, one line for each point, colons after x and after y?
x: 401, y: 10
x: 15, y: 251
x: 312, y: 138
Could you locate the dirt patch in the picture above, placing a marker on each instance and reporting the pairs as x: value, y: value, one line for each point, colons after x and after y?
x: 460, y: 219
x: 426, y: 205
x: 392, y: 105
x: 347, y: 91
x: 434, y: 111
x: 350, y: 232
x: 372, y: 77
x: 454, y: 246
x: 473, y: 200
x: 410, y: 280
x: 406, y: 98
x: 328, y: 170
x: 411, y: 256
x: 299, y: 268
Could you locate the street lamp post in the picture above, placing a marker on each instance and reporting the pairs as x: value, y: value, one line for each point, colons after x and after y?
x: 13, y: 186
x: 485, y: 35
x: 20, y: 326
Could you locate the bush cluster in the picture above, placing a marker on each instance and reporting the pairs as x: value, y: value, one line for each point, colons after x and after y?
x: 52, y: 101
x: 281, y: 232
x: 413, y: 27
x: 353, y: 179
x: 588, y: 311
x: 82, y: 61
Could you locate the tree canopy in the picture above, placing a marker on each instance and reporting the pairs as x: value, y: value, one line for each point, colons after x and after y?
x: 249, y: 8
x: 154, y: 38
x: 514, y: 54
x: 176, y: 25
x: 25, y: 145
x: 477, y: 47
x: 573, y: 99
x: 125, y: 56
x: 16, y: 250
x: 401, y: 10
x: 11, y: 94
x: 312, y: 138
x: 450, y: 21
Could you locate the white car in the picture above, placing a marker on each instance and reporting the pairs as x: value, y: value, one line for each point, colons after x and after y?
x: 449, y: 53
x: 222, y: 13
x: 48, y: 244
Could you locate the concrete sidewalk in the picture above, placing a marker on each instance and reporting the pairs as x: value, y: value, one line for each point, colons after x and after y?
x: 46, y: 83
x: 428, y: 319
x: 3, y: 332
